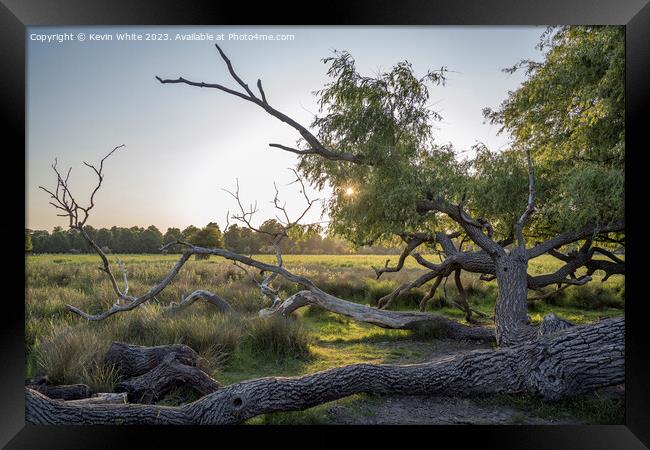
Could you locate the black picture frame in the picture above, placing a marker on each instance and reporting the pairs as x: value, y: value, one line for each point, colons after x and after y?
x: 16, y: 15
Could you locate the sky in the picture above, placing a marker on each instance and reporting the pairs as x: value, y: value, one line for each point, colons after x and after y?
x: 184, y: 145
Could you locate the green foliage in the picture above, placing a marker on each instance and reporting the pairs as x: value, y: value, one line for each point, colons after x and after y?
x: 116, y: 239
x: 240, y: 240
x: 302, y: 239
x: 210, y: 237
x: 28, y: 242
x: 499, y: 188
x: 188, y: 232
x: 385, y: 120
x: 570, y: 113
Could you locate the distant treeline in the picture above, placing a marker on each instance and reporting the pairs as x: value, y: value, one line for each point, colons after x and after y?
x: 301, y: 240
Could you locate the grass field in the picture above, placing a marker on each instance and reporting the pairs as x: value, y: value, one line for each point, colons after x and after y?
x: 243, y: 346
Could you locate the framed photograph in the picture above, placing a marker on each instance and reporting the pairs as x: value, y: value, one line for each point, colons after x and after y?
x: 387, y: 218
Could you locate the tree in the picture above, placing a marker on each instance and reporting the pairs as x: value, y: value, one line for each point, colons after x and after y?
x: 172, y: 235
x: 376, y: 132
x: 104, y: 237
x: 210, y: 236
x: 151, y: 240
x: 58, y: 242
x: 374, y: 146
x: 188, y: 232
x: 28, y: 242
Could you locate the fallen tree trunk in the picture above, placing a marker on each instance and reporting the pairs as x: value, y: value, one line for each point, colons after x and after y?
x: 170, y: 373
x: 436, y: 324
x: 564, y: 363
x: 62, y: 392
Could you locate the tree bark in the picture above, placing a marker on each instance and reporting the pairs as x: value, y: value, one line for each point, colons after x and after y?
x: 222, y: 305
x: 420, y: 321
x: 170, y: 373
x: 510, y: 310
x: 134, y: 360
x: 102, y: 398
x: 563, y: 363
x: 148, y: 373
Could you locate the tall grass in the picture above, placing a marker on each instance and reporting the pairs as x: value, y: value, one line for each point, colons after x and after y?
x: 277, y: 337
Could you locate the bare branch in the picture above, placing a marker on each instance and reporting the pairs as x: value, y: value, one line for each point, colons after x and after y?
x: 531, y: 202
x: 473, y: 228
x: 316, y: 147
x: 609, y: 254
x: 573, y: 236
x: 259, y: 87
x: 429, y: 295
x: 65, y: 201
x: 222, y: 305
x: 413, y: 241
x: 562, y: 286
x: 135, y: 302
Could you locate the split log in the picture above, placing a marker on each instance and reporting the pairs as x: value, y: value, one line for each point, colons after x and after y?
x: 437, y: 324
x: 170, y: 373
x: 102, y: 398
x: 569, y: 362
x: 134, y: 360
x: 62, y: 392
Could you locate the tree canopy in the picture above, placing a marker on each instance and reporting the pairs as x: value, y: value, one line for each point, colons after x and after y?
x: 568, y: 113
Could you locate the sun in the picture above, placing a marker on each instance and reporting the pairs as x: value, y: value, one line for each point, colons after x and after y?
x: 349, y: 191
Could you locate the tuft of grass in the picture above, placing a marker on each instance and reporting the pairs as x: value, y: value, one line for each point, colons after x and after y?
x: 69, y: 354
x: 100, y: 377
x: 277, y: 337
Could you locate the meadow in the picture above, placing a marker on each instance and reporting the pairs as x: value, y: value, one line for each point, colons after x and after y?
x: 243, y: 346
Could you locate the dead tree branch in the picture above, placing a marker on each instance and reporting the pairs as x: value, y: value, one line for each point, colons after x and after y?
x: 315, y: 146
x: 531, y: 203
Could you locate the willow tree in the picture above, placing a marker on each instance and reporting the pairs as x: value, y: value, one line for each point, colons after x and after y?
x: 559, y: 184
